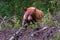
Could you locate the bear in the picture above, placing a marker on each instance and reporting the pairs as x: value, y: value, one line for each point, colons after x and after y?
x: 32, y: 14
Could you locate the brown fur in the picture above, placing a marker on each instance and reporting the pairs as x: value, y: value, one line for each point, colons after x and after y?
x: 33, y: 14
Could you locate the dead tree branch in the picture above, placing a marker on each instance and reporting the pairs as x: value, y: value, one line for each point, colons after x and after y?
x: 20, y: 31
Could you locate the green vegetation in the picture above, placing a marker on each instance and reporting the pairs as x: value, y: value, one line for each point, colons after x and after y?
x: 16, y: 8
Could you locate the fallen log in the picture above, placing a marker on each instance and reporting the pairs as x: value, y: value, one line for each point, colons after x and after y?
x: 39, y: 31
x: 20, y: 31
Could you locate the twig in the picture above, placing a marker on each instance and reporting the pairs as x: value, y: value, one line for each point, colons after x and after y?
x: 2, y: 22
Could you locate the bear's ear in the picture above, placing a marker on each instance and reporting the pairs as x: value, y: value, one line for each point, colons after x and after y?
x: 25, y: 9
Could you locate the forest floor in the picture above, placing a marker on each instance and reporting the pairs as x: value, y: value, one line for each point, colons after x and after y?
x: 43, y: 33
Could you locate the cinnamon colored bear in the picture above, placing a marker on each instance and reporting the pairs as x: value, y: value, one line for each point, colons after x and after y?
x: 33, y: 15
